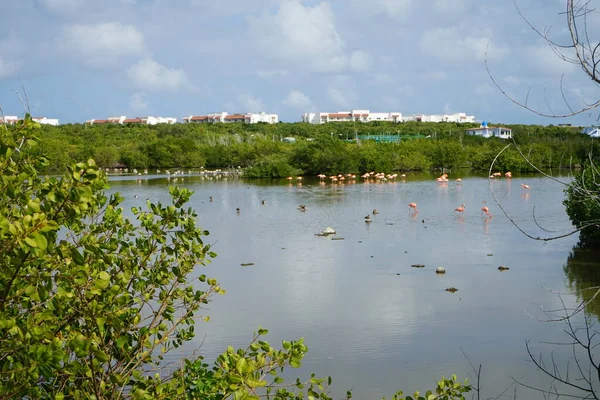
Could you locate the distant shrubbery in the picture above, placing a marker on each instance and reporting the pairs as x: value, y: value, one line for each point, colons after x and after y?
x: 318, y: 149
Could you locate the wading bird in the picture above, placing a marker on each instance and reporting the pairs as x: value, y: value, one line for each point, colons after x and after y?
x: 413, y: 207
x: 486, y: 211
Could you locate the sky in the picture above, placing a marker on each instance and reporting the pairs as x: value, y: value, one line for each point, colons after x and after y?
x: 84, y: 59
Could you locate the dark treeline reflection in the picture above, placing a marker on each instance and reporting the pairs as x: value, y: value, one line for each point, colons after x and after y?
x: 583, y: 272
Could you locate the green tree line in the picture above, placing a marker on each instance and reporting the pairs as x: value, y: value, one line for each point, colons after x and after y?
x: 327, y: 148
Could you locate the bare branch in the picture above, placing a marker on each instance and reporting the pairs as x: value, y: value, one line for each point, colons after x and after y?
x: 584, y: 54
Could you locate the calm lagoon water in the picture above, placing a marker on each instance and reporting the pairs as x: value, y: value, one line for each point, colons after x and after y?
x: 370, y: 320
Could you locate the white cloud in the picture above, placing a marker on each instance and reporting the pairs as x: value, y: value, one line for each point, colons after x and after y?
x: 62, y: 6
x: 342, y: 98
x: 360, y: 60
x: 228, y: 7
x: 512, y: 80
x: 138, y: 102
x: 544, y: 59
x: 390, y: 8
x: 449, y: 6
x: 250, y: 103
x: 379, y: 78
x: 272, y: 73
x: 306, y: 37
x: 341, y: 91
x: 8, y: 67
x: 11, y: 50
x: 297, y: 99
x: 103, y: 44
x: 149, y: 75
x: 583, y: 97
x: 392, y: 103
x: 436, y: 75
x: 450, y: 44
x: 484, y: 89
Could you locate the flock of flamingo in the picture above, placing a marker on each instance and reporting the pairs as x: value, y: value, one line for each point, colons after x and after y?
x: 379, y: 176
x: 383, y: 177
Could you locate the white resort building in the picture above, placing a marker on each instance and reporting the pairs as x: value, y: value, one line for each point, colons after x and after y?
x: 10, y: 120
x: 224, y: 117
x: 46, y: 121
x: 367, y: 116
x: 592, y: 131
x: 138, y: 120
x: 489, y: 131
x: 349, y: 116
x: 456, y: 117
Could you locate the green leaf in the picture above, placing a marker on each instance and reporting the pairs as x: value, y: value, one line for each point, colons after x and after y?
x: 41, y: 241
x: 101, y: 321
x: 121, y: 341
x: 30, y: 240
x: 240, y: 366
x: 101, y: 356
x: 103, y: 280
x: 77, y: 256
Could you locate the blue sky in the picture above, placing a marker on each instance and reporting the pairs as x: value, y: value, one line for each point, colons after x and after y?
x: 83, y: 59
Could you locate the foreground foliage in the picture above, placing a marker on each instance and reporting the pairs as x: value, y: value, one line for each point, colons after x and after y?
x: 583, y: 205
x: 91, y: 301
x: 327, y: 148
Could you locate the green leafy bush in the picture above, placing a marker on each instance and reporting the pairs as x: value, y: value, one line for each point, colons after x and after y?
x: 583, y: 205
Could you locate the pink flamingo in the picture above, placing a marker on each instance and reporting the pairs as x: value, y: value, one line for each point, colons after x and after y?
x: 460, y: 209
x: 524, y: 186
x: 486, y: 211
x: 413, y: 207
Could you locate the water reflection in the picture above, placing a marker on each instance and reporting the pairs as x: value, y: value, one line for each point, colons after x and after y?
x: 583, y: 272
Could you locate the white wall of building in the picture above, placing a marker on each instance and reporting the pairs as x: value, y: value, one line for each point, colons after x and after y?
x: 158, y: 120
x: 391, y: 117
x: 592, y: 131
x: 489, y: 131
x: 456, y: 117
x: 117, y: 120
x: 143, y: 120
x: 249, y: 118
x: 311, y: 118
x: 46, y: 121
x: 263, y: 117
x: 12, y: 119
x: 349, y: 116
x: 9, y: 119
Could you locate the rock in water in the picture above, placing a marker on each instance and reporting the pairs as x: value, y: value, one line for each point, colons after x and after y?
x: 328, y: 231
